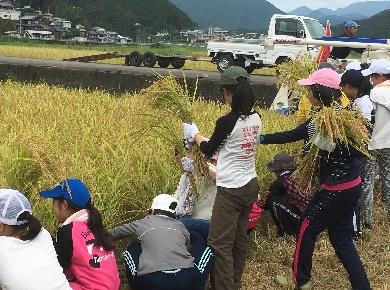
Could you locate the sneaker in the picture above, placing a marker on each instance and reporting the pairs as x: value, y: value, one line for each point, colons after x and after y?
x: 307, y: 286
x: 367, y: 225
x: 283, y: 280
x: 286, y: 281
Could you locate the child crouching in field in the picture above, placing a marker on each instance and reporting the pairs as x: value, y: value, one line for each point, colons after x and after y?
x: 195, y: 211
x: 167, y: 256
x: 84, y: 247
x: 28, y: 258
x: 285, y: 200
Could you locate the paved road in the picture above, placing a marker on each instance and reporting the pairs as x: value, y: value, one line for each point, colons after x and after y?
x: 115, y: 68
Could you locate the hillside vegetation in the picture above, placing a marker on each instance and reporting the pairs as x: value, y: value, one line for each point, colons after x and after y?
x: 119, y: 15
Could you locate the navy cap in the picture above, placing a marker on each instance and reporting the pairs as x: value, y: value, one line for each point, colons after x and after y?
x: 71, y: 190
x: 352, y: 77
x: 351, y: 23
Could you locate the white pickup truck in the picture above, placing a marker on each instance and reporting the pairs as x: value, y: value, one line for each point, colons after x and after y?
x: 252, y: 54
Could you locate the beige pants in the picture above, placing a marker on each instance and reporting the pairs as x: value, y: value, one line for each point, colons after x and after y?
x: 228, y: 234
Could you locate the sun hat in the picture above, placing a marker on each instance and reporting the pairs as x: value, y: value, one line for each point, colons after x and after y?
x: 230, y: 76
x: 327, y: 65
x: 351, y: 23
x: 165, y: 202
x: 378, y: 66
x: 353, y: 78
x: 354, y: 65
x: 325, y: 77
x: 282, y: 161
x: 70, y: 189
x: 12, y: 205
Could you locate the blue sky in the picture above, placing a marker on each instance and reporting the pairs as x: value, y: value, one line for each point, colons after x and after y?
x: 288, y: 5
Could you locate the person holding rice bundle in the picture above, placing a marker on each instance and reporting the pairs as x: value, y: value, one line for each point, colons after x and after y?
x: 337, y: 154
x: 234, y: 139
x: 195, y: 205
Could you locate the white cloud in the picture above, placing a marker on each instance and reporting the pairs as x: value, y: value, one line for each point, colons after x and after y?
x: 288, y: 5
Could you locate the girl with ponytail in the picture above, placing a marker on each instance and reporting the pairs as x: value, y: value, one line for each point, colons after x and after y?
x: 28, y: 258
x: 84, y: 247
x: 234, y: 139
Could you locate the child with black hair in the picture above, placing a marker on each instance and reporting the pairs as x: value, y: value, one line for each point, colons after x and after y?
x: 84, y: 247
x: 167, y: 256
x: 333, y: 204
x: 28, y: 258
x: 286, y: 200
x: 234, y: 138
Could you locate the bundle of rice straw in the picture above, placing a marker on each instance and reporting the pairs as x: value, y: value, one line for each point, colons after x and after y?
x: 172, y: 99
x: 342, y: 126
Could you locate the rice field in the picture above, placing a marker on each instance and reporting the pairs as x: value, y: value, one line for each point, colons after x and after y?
x: 59, y: 52
x: 121, y: 147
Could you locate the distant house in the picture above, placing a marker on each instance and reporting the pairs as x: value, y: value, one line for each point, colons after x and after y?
x: 8, y: 12
x: 6, y: 5
x: 36, y: 34
x: 217, y: 33
x: 66, y: 24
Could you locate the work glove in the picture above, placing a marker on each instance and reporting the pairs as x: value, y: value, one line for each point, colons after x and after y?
x: 190, y: 130
x: 324, y: 143
x: 188, y: 164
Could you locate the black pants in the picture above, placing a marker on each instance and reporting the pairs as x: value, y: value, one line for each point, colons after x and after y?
x: 285, y: 216
x: 179, y: 279
x: 330, y: 211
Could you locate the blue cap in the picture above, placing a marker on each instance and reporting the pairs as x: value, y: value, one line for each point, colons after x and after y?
x: 351, y: 23
x: 71, y: 190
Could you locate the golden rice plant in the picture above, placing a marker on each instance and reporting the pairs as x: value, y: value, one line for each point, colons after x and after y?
x: 288, y: 73
x: 339, y: 126
x: 171, y: 99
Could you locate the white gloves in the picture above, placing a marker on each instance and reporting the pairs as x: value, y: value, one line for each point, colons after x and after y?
x: 188, y: 164
x: 190, y: 130
x: 324, y: 143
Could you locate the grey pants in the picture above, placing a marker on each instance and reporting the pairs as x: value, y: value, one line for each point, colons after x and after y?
x: 382, y: 159
x: 228, y: 237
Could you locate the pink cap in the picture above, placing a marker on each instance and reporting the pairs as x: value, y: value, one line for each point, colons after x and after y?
x: 325, y: 77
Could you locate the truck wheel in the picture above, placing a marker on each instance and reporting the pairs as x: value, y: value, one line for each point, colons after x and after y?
x: 250, y: 69
x: 149, y: 59
x: 281, y: 60
x: 178, y: 63
x: 163, y: 62
x: 134, y: 59
x: 224, y: 62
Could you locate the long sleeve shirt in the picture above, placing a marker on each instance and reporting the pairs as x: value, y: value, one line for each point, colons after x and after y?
x: 164, y: 241
x: 337, y: 167
x: 235, y: 138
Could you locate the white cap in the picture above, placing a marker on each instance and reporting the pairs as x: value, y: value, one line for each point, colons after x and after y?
x: 165, y: 202
x: 355, y: 65
x: 378, y: 66
x: 12, y: 205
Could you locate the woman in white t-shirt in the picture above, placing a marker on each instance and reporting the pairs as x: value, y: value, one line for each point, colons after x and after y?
x: 28, y: 258
x: 234, y: 139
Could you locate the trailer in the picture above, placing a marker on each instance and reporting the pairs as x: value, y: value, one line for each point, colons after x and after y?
x: 135, y: 58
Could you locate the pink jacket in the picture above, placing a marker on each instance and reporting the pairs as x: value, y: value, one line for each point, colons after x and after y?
x: 86, y: 267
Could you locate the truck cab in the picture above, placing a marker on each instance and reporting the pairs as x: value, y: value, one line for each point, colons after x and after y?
x: 252, y: 54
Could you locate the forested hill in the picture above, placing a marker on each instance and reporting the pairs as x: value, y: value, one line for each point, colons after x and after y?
x: 230, y: 14
x: 376, y: 26
x: 117, y: 15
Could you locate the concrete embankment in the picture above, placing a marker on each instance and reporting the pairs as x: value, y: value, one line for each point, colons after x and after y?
x: 119, y: 78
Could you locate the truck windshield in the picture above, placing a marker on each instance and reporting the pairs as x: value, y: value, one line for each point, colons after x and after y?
x: 315, y: 28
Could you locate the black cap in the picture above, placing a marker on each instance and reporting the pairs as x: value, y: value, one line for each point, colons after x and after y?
x: 352, y: 77
x: 282, y: 161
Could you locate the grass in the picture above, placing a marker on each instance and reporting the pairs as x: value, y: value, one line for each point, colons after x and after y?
x: 39, y: 50
x: 51, y: 132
